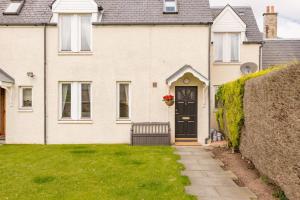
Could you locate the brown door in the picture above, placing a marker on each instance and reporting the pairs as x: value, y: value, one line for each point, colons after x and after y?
x: 186, y: 112
x: 2, y: 113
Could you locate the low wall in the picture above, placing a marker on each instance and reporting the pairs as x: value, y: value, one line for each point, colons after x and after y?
x: 271, y: 136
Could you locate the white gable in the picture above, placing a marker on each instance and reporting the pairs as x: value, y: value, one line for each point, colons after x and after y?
x: 228, y: 21
x: 75, y: 6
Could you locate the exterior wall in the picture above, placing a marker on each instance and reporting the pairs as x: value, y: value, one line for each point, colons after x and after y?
x: 139, y: 54
x: 225, y: 72
x: 22, y: 52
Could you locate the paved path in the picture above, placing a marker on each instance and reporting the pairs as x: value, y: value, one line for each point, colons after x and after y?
x: 208, y: 180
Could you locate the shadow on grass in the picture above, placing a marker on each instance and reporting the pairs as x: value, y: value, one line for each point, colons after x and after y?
x: 83, y: 151
x: 43, y: 179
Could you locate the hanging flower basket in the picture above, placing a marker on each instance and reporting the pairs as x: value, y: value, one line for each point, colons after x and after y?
x: 169, y: 100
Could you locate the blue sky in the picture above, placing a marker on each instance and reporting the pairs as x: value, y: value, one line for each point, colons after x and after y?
x: 288, y: 18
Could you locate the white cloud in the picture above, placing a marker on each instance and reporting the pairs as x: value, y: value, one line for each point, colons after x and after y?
x: 289, y: 20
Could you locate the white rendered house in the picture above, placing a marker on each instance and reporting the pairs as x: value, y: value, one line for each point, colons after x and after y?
x: 82, y: 71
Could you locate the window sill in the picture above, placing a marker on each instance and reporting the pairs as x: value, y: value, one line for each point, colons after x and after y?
x: 70, y: 53
x: 227, y: 63
x: 75, y: 121
x: 25, y: 110
x: 175, y: 12
x: 120, y: 121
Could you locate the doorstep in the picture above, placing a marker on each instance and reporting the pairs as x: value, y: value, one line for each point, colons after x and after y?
x: 186, y: 142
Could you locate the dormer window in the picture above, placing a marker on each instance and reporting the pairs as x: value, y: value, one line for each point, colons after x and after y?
x: 170, y: 6
x: 75, y: 32
x: 14, y: 8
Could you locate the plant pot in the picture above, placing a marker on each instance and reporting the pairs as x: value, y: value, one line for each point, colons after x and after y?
x: 170, y: 102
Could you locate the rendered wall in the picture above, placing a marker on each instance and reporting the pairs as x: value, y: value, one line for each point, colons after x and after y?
x: 22, y: 51
x: 271, y: 138
x: 140, y: 54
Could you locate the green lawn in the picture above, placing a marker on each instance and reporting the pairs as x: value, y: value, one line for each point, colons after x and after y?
x: 88, y: 172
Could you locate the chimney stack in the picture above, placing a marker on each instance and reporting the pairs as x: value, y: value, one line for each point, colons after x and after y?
x: 270, y: 23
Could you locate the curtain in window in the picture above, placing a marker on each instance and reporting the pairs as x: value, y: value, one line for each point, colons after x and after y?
x: 66, y: 100
x: 234, y: 46
x: 65, y: 27
x: 124, y: 101
x: 85, y: 101
x: 85, y: 32
x: 27, y: 97
x: 218, y: 44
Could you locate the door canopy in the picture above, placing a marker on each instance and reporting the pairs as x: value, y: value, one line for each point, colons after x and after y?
x: 186, y: 69
x: 5, y: 79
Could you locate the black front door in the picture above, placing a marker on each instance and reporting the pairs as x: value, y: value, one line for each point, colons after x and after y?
x: 186, y: 112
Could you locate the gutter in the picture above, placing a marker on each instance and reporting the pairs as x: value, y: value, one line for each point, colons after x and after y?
x: 150, y: 23
x: 209, y: 89
x: 45, y: 84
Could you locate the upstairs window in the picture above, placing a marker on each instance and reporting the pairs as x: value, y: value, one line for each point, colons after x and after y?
x: 227, y: 47
x: 75, y: 32
x: 170, y: 6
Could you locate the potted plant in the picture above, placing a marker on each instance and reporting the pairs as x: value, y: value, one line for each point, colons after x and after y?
x: 169, y: 100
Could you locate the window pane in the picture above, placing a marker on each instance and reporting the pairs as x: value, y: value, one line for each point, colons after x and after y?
x: 27, y: 97
x: 66, y: 100
x: 170, y: 6
x: 235, y: 46
x: 85, y: 32
x: 65, y: 32
x: 85, y: 101
x: 218, y: 44
x: 124, y: 101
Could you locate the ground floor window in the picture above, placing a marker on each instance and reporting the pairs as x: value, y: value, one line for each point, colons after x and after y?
x: 25, y: 97
x: 75, y: 100
x: 123, y: 100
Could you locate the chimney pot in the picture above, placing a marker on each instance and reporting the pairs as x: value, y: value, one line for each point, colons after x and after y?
x: 272, y: 9
x: 268, y: 9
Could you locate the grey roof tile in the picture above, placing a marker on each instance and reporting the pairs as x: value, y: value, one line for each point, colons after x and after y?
x: 117, y: 11
x: 246, y: 14
x: 151, y: 11
x: 277, y: 52
x: 33, y: 12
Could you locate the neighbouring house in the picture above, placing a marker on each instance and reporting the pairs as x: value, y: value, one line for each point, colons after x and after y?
x: 277, y: 51
x: 82, y: 71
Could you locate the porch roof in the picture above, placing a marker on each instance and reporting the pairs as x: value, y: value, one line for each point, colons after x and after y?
x: 4, y: 77
x: 186, y: 69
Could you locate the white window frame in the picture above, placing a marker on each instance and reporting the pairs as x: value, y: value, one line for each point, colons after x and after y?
x: 166, y: 2
x: 21, y: 106
x: 75, y: 101
x: 227, y: 47
x: 118, y: 101
x: 75, y: 33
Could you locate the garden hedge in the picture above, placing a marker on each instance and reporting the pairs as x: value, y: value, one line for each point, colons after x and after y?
x: 230, y: 115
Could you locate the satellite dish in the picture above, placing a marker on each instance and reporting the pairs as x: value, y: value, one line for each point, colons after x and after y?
x: 248, y: 68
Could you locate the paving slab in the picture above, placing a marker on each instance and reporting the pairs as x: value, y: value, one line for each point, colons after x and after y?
x: 209, y: 181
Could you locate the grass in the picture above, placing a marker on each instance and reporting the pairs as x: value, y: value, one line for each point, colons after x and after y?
x: 88, y: 172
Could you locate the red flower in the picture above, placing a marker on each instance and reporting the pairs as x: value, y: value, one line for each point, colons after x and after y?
x: 168, y: 98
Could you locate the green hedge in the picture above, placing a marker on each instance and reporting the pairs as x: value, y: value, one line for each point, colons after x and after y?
x: 230, y: 115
